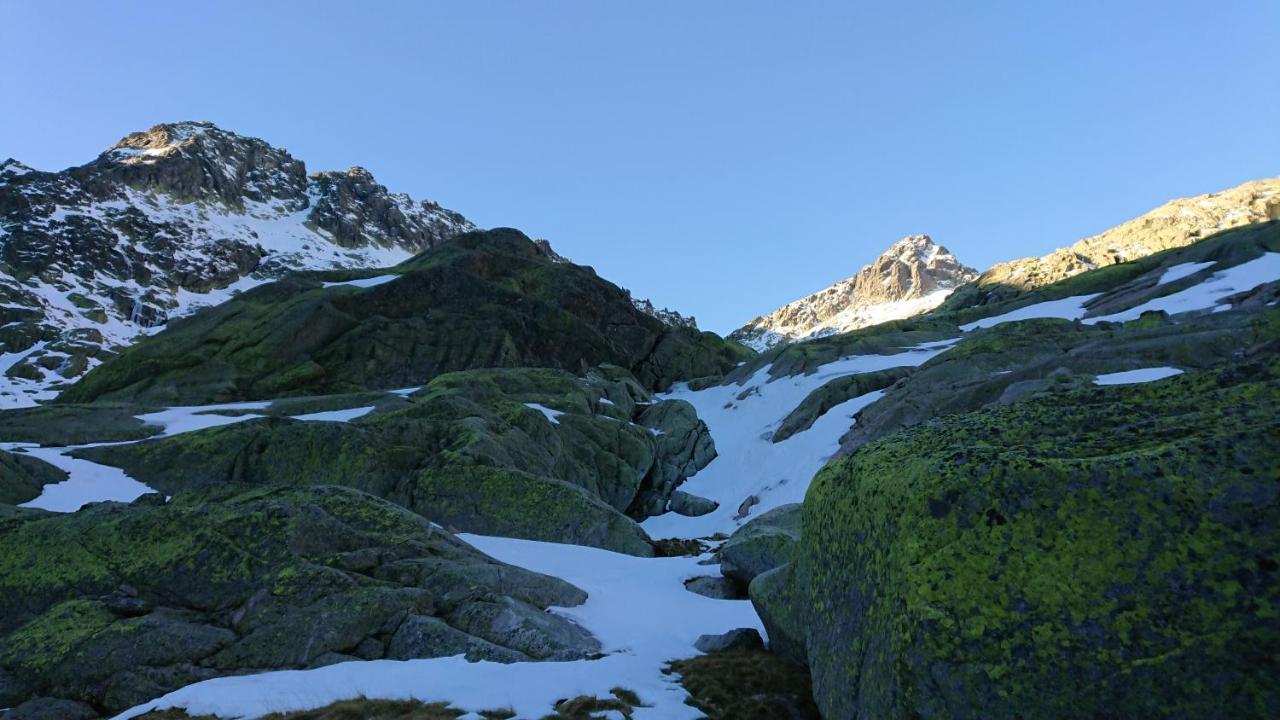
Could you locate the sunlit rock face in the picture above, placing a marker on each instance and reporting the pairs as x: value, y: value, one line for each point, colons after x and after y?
x: 914, y: 275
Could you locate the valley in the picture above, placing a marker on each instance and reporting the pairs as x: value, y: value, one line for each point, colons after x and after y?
x: 362, y: 450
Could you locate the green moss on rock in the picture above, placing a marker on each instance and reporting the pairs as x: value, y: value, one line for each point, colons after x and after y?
x: 1110, y: 552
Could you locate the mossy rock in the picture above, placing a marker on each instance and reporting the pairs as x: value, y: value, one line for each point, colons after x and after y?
x: 1109, y: 552
x: 116, y: 604
x: 746, y: 685
x: 466, y: 451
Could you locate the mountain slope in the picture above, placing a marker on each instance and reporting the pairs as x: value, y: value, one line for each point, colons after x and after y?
x: 1175, y: 224
x: 484, y: 299
x: 166, y: 220
x: 914, y: 275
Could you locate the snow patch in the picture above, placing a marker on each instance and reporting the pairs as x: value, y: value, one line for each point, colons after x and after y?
x: 1070, y: 308
x: 1209, y: 292
x: 1177, y: 272
x: 86, y: 482
x: 550, y: 414
x: 188, y: 418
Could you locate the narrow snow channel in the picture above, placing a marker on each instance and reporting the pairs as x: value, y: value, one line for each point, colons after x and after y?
x: 551, y: 415
x: 1143, y: 375
x: 364, y: 282
x: 336, y: 415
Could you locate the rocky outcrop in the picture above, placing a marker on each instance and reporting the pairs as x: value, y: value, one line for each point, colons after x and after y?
x: 537, y: 454
x: 913, y: 276
x: 182, y: 215
x: 484, y: 299
x: 117, y: 604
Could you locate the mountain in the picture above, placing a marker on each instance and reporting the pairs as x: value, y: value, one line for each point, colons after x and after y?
x: 180, y: 216
x: 914, y: 275
x: 1175, y: 224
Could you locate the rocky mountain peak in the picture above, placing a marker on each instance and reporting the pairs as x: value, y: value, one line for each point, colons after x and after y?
x: 199, y: 161
x: 169, y: 219
x: 913, y: 275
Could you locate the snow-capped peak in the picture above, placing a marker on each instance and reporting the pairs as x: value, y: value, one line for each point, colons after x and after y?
x: 914, y: 275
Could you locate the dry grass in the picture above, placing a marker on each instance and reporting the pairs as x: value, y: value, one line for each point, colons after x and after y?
x: 746, y: 685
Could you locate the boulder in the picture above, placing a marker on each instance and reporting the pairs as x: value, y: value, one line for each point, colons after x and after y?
x: 720, y: 588
x: 738, y: 639
x: 761, y: 545
x: 1105, y: 552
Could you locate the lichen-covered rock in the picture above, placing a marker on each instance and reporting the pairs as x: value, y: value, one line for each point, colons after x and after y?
x: 1108, y: 552
x: 116, y: 604
x: 1017, y: 361
x: 761, y: 545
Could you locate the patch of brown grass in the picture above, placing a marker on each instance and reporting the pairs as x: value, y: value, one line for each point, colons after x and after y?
x: 746, y: 685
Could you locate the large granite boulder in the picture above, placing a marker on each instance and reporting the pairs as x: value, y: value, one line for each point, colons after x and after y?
x: 1107, y: 552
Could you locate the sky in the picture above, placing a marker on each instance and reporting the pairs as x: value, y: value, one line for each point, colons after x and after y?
x: 721, y: 158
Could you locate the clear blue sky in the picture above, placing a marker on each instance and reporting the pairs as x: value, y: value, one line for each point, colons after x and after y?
x: 720, y: 157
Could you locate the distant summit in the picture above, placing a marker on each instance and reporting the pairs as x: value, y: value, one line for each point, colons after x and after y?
x: 914, y: 275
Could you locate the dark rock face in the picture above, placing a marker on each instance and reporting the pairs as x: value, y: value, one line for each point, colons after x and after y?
x: 118, y: 245
x: 683, y: 446
x: 1061, y: 556
x: 351, y: 207
x: 473, y: 450
x: 484, y: 299
x: 117, y: 604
